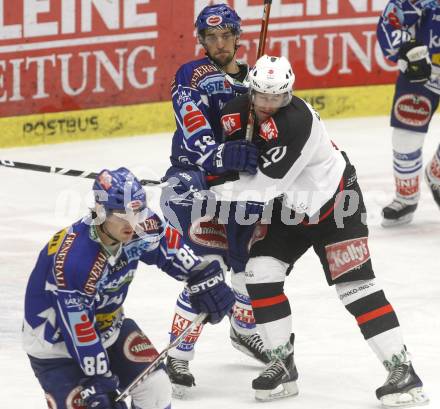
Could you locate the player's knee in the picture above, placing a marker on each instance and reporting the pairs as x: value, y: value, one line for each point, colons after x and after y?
x: 265, y: 270
x: 238, y: 282
x: 154, y: 392
x: 265, y: 280
x: 269, y: 302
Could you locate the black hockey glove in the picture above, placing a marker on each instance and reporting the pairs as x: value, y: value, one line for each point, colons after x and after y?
x: 99, y: 392
x: 238, y: 155
x: 208, y: 292
x: 414, y: 62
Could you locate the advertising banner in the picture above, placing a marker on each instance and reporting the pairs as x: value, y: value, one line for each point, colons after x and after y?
x: 58, y: 55
x: 72, y: 55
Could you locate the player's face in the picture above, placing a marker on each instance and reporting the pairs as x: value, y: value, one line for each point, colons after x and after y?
x: 220, y: 45
x: 121, y: 225
x: 266, y: 105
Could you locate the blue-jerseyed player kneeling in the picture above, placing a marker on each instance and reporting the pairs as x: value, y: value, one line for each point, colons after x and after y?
x: 80, y: 345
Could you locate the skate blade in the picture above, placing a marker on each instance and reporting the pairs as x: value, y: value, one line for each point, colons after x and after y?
x: 397, y: 222
x: 288, y: 389
x: 414, y: 397
x: 180, y: 391
x: 245, y: 351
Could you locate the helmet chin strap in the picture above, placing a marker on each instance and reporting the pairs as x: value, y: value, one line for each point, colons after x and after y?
x: 107, y: 233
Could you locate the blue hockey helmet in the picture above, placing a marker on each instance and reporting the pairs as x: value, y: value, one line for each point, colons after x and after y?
x: 119, y: 190
x: 218, y: 16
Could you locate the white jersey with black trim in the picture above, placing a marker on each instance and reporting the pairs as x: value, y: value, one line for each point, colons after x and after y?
x: 297, y: 158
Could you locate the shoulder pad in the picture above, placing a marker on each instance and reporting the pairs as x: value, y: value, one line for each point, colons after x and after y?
x: 79, y: 262
x: 192, y: 72
x: 293, y: 123
x: 283, y: 137
x: 153, y: 225
x: 202, y: 70
x: 60, y: 259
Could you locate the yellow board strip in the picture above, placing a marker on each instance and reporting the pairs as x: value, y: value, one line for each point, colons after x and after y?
x: 349, y: 102
x: 158, y: 117
x: 86, y: 124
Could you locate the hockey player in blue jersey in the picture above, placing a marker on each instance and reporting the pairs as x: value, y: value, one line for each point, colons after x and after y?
x: 80, y: 345
x: 409, y: 34
x: 199, y: 91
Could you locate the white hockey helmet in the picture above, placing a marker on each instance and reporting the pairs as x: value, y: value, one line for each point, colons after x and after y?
x: 272, y: 75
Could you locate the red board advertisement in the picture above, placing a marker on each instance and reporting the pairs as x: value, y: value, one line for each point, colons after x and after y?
x: 61, y: 55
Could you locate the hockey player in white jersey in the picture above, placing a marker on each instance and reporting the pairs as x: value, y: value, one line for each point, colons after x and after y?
x: 313, y: 200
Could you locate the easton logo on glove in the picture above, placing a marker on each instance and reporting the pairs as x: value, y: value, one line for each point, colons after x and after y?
x: 240, y: 155
x: 203, y: 286
x: 87, y: 392
x: 219, y: 156
x: 209, y: 293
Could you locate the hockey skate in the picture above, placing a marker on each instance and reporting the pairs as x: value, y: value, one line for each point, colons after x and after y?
x: 251, y: 345
x: 434, y: 187
x: 403, y: 388
x: 397, y: 213
x: 180, y: 376
x: 278, y: 380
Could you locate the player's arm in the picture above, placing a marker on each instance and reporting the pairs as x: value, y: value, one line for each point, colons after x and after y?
x: 396, y: 25
x: 191, y: 117
x: 74, y: 300
x: 75, y: 306
x: 76, y: 313
x: 396, y: 36
x: 206, y: 283
x: 280, y: 161
x: 166, y: 248
x: 192, y: 120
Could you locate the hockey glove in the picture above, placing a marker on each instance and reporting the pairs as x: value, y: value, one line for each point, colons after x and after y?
x: 190, y: 183
x: 241, y: 233
x: 183, y: 189
x: 239, y: 156
x: 99, y: 392
x: 209, y: 293
x: 414, y: 62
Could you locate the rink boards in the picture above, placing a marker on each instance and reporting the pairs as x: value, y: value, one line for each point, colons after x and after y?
x: 85, y: 70
x: 158, y: 117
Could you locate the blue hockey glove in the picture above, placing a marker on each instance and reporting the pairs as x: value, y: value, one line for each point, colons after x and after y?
x: 209, y: 293
x: 240, y: 232
x: 99, y: 392
x: 183, y: 189
x: 414, y: 62
x: 188, y: 182
x: 238, y: 155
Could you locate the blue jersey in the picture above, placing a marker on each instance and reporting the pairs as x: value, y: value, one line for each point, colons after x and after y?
x: 403, y: 20
x: 74, y: 297
x: 199, y: 92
